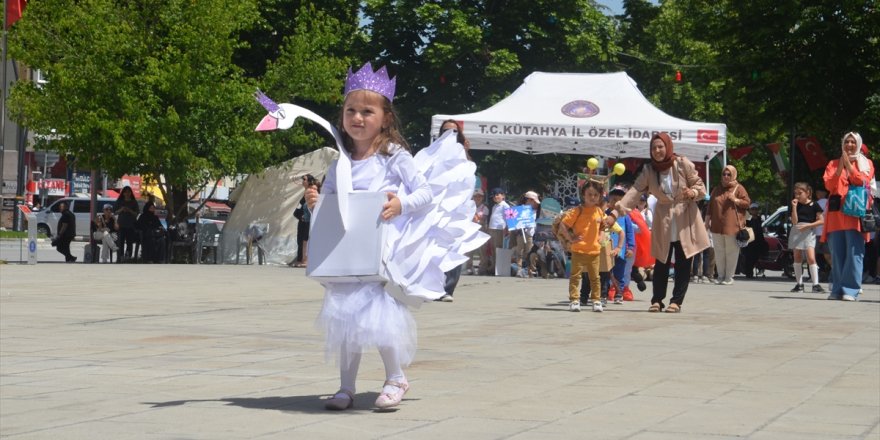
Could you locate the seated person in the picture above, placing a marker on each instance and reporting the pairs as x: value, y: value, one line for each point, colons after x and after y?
x: 547, y: 256
x: 104, y: 232
x: 152, y: 235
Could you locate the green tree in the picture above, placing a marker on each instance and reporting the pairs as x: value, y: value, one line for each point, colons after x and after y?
x: 765, y: 68
x: 143, y: 87
x: 458, y: 56
x: 281, y: 19
x: 309, y: 70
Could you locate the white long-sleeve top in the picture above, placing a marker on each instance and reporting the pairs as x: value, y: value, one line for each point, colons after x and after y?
x: 399, y: 168
x: 496, y: 220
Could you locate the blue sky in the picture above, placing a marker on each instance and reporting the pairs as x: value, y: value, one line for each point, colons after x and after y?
x: 616, y: 6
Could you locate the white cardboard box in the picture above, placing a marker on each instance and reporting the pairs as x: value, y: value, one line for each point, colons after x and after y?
x: 502, y: 262
x: 353, y: 255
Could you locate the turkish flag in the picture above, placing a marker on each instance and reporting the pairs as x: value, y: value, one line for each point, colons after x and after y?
x: 741, y: 152
x: 14, y: 8
x: 707, y: 136
x: 812, y: 151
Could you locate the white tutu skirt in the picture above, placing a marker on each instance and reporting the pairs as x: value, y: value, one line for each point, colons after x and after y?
x: 359, y: 316
x: 422, y: 246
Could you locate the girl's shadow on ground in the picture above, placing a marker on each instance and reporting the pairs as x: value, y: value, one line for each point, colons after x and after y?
x: 302, y: 404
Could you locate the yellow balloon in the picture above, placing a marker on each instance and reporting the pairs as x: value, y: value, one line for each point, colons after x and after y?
x: 592, y: 163
x: 619, y: 169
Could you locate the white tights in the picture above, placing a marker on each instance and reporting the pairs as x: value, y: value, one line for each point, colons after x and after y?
x: 349, y: 363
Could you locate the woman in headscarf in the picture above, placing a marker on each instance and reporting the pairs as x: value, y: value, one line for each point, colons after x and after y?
x: 678, y: 226
x: 843, y: 233
x: 727, y: 215
x: 152, y: 235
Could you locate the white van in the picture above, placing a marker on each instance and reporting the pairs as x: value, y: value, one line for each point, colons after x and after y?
x: 47, y: 219
x: 778, y: 223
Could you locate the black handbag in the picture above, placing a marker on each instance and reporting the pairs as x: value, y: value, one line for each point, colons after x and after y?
x: 834, y: 203
x: 869, y: 220
x: 745, y: 235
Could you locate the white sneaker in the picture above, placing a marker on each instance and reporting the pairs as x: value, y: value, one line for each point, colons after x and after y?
x: 446, y: 298
x: 597, y: 306
x: 575, y: 306
x: 726, y: 282
x: 618, y: 300
x: 848, y: 298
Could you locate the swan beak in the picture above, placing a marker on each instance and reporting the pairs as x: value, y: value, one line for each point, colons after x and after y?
x: 268, y: 123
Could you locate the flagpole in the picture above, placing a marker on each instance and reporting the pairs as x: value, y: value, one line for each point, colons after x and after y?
x: 792, y: 147
x: 3, y: 103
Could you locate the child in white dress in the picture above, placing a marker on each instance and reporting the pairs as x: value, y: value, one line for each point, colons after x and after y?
x: 359, y: 315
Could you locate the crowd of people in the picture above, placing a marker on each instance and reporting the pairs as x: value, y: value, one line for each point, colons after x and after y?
x: 670, y: 226
x: 119, y: 229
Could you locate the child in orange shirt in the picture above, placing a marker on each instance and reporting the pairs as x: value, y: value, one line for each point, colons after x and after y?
x: 583, y: 227
x: 607, y: 253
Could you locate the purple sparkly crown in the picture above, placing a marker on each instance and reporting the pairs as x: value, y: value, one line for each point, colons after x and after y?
x: 366, y: 79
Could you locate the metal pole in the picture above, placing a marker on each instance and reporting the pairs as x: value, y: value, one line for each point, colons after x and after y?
x: 792, y: 148
x: 20, y: 182
x: 93, y: 209
x: 3, y: 103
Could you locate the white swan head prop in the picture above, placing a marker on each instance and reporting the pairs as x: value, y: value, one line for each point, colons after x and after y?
x: 280, y: 117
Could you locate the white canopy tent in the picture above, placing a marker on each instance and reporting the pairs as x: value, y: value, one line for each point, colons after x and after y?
x: 601, y: 114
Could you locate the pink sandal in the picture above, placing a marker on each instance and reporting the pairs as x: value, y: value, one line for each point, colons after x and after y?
x: 390, y: 400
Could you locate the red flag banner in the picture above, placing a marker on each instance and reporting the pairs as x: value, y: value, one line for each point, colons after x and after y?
x: 701, y: 170
x: 812, y: 151
x: 14, y: 8
x: 741, y: 152
x: 632, y: 164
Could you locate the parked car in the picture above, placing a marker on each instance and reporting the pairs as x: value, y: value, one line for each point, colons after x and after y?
x: 47, y: 219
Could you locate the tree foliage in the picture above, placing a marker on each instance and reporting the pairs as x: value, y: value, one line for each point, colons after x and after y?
x: 768, y: 69
x: 163, y: 87
x: 309, y: 69
x: 458, y: 56
x: 142, y: 87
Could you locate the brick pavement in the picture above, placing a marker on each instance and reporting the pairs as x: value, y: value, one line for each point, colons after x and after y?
x: 230, y: 352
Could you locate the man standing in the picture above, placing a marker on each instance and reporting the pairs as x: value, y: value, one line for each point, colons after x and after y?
x: 66, y: 231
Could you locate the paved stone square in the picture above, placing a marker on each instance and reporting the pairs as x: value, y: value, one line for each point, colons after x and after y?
x: 231, y: 352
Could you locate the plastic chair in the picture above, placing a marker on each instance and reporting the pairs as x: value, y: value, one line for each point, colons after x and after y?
x: 207, y: 237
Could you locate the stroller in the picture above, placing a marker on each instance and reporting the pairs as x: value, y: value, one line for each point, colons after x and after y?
x: 778, y: 257
x: 547, y: 255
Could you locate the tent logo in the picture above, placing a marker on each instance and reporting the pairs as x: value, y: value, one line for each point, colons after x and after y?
x: 707, y: 136
x: 580, y: 109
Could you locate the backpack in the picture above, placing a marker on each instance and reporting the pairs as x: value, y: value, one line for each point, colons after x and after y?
x: 557, y: 225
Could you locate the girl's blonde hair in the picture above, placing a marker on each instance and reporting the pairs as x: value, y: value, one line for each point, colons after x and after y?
x: 388, y: 136
x: 805, y: 187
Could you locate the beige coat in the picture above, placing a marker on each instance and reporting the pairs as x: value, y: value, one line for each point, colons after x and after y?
x: 691, y: 230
